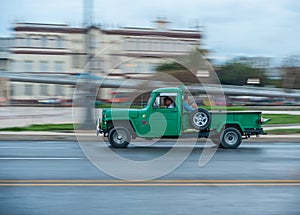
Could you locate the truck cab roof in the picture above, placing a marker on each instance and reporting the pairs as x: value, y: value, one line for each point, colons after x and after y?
x: 167, y: 90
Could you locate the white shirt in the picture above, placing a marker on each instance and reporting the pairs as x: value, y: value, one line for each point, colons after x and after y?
x: 171, y: 106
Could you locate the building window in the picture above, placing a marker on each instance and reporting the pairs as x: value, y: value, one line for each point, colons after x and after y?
x: 59, y: 90
x: 143, y: 45
x: 44, y: 89
x: 44, y: 66
x: 95, y: 63
x: 75, y: 61
x: 28, y: 90
x: 180, y: 47
x: 125, y: 44
x: 130, y: 45
x: 28, y: 66
x: 44, y: 41
x: 137, y: 44
x: 3, y: 64
x: 12, y: 66
x: 59, y: 66
x: 12, y: 90
x: 16, y: 65
x: 20, y: 42
x: 37, y: 42
x: 149, y: 45
x: 59, y: 42
x: 28, y: 41
x: 92, y: 41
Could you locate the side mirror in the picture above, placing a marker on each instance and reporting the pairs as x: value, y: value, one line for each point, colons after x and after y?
x: 156, y: 104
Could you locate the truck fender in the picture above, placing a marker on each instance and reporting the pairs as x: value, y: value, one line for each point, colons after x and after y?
x: 236, y: 125
x: 125, y: 123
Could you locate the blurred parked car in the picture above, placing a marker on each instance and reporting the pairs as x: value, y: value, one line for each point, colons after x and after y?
x: 118, y: 97
x: 51, y: 101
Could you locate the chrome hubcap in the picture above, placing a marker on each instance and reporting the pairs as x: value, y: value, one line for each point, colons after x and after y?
x: 119, y: 137
x: 231, y: 138
x: 200, y: 119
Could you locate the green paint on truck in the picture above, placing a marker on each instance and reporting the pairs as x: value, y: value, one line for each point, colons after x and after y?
x: 225, y: 129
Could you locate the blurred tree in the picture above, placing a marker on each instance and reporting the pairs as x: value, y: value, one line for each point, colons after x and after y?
x: 291, y: 67
x: 238, y: 74
x: 231, y: 73
x: 291, y: 77
x: 291, y: 61
x: 186, y: 68
x: 170, y: 67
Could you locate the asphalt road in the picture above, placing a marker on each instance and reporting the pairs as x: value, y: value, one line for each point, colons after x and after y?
x: 57, y: 178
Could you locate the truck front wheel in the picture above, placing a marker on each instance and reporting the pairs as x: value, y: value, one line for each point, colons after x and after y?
x: 231, y: 138
x: 119, y: 137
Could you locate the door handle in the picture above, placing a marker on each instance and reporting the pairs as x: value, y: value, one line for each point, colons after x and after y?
x: 174, y: 110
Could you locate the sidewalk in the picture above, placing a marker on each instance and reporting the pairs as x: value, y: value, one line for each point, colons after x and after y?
x: 24, y: 116
x: 287, y: 126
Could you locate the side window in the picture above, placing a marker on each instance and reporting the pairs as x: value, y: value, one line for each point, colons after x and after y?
x: 165, y: 100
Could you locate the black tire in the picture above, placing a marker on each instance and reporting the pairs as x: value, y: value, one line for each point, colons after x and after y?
x: 119, y: 137
x: 200, y: 119
x: 231, y: 138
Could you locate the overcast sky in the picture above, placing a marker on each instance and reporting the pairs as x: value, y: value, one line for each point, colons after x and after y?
x: 268, y: 28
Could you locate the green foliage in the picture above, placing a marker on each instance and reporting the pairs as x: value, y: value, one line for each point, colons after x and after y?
x: 43, y: 127
x: 224, y: 108
x: 170, y: 67
x: 282, y: 118
x: 120, y: 105
x: 284, y: 131
x: 238, y: 74
x: 276, y: 83
x: 232, y: 73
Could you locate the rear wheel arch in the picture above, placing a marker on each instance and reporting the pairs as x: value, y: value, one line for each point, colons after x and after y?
x: 234, y: 125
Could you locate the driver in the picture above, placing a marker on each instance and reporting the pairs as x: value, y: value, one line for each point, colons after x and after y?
x: 168, y: 102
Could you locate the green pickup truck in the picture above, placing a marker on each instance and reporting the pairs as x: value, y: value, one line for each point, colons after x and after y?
x: 225, y: 129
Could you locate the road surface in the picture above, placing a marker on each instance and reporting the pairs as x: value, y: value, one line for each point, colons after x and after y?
x: 46, y: 177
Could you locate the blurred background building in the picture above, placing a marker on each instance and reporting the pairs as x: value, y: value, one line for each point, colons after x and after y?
x: 62, y: 51
x: 137, y: 50
x: 53, y: 49
x: 5, y: 56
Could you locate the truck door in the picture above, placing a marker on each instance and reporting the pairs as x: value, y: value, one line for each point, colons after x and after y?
x: 165, y: 121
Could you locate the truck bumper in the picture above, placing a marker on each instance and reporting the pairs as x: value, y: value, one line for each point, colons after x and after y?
x: 99, y: 130
x: 254, y: 131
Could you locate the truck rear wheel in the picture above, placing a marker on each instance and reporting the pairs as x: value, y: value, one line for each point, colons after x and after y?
x: 231, y: 138
x: 119, y: 137
x: 200, y: 119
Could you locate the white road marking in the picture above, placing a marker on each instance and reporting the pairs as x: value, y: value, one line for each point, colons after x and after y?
x: 31, y: 147
x: 37, y: 158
